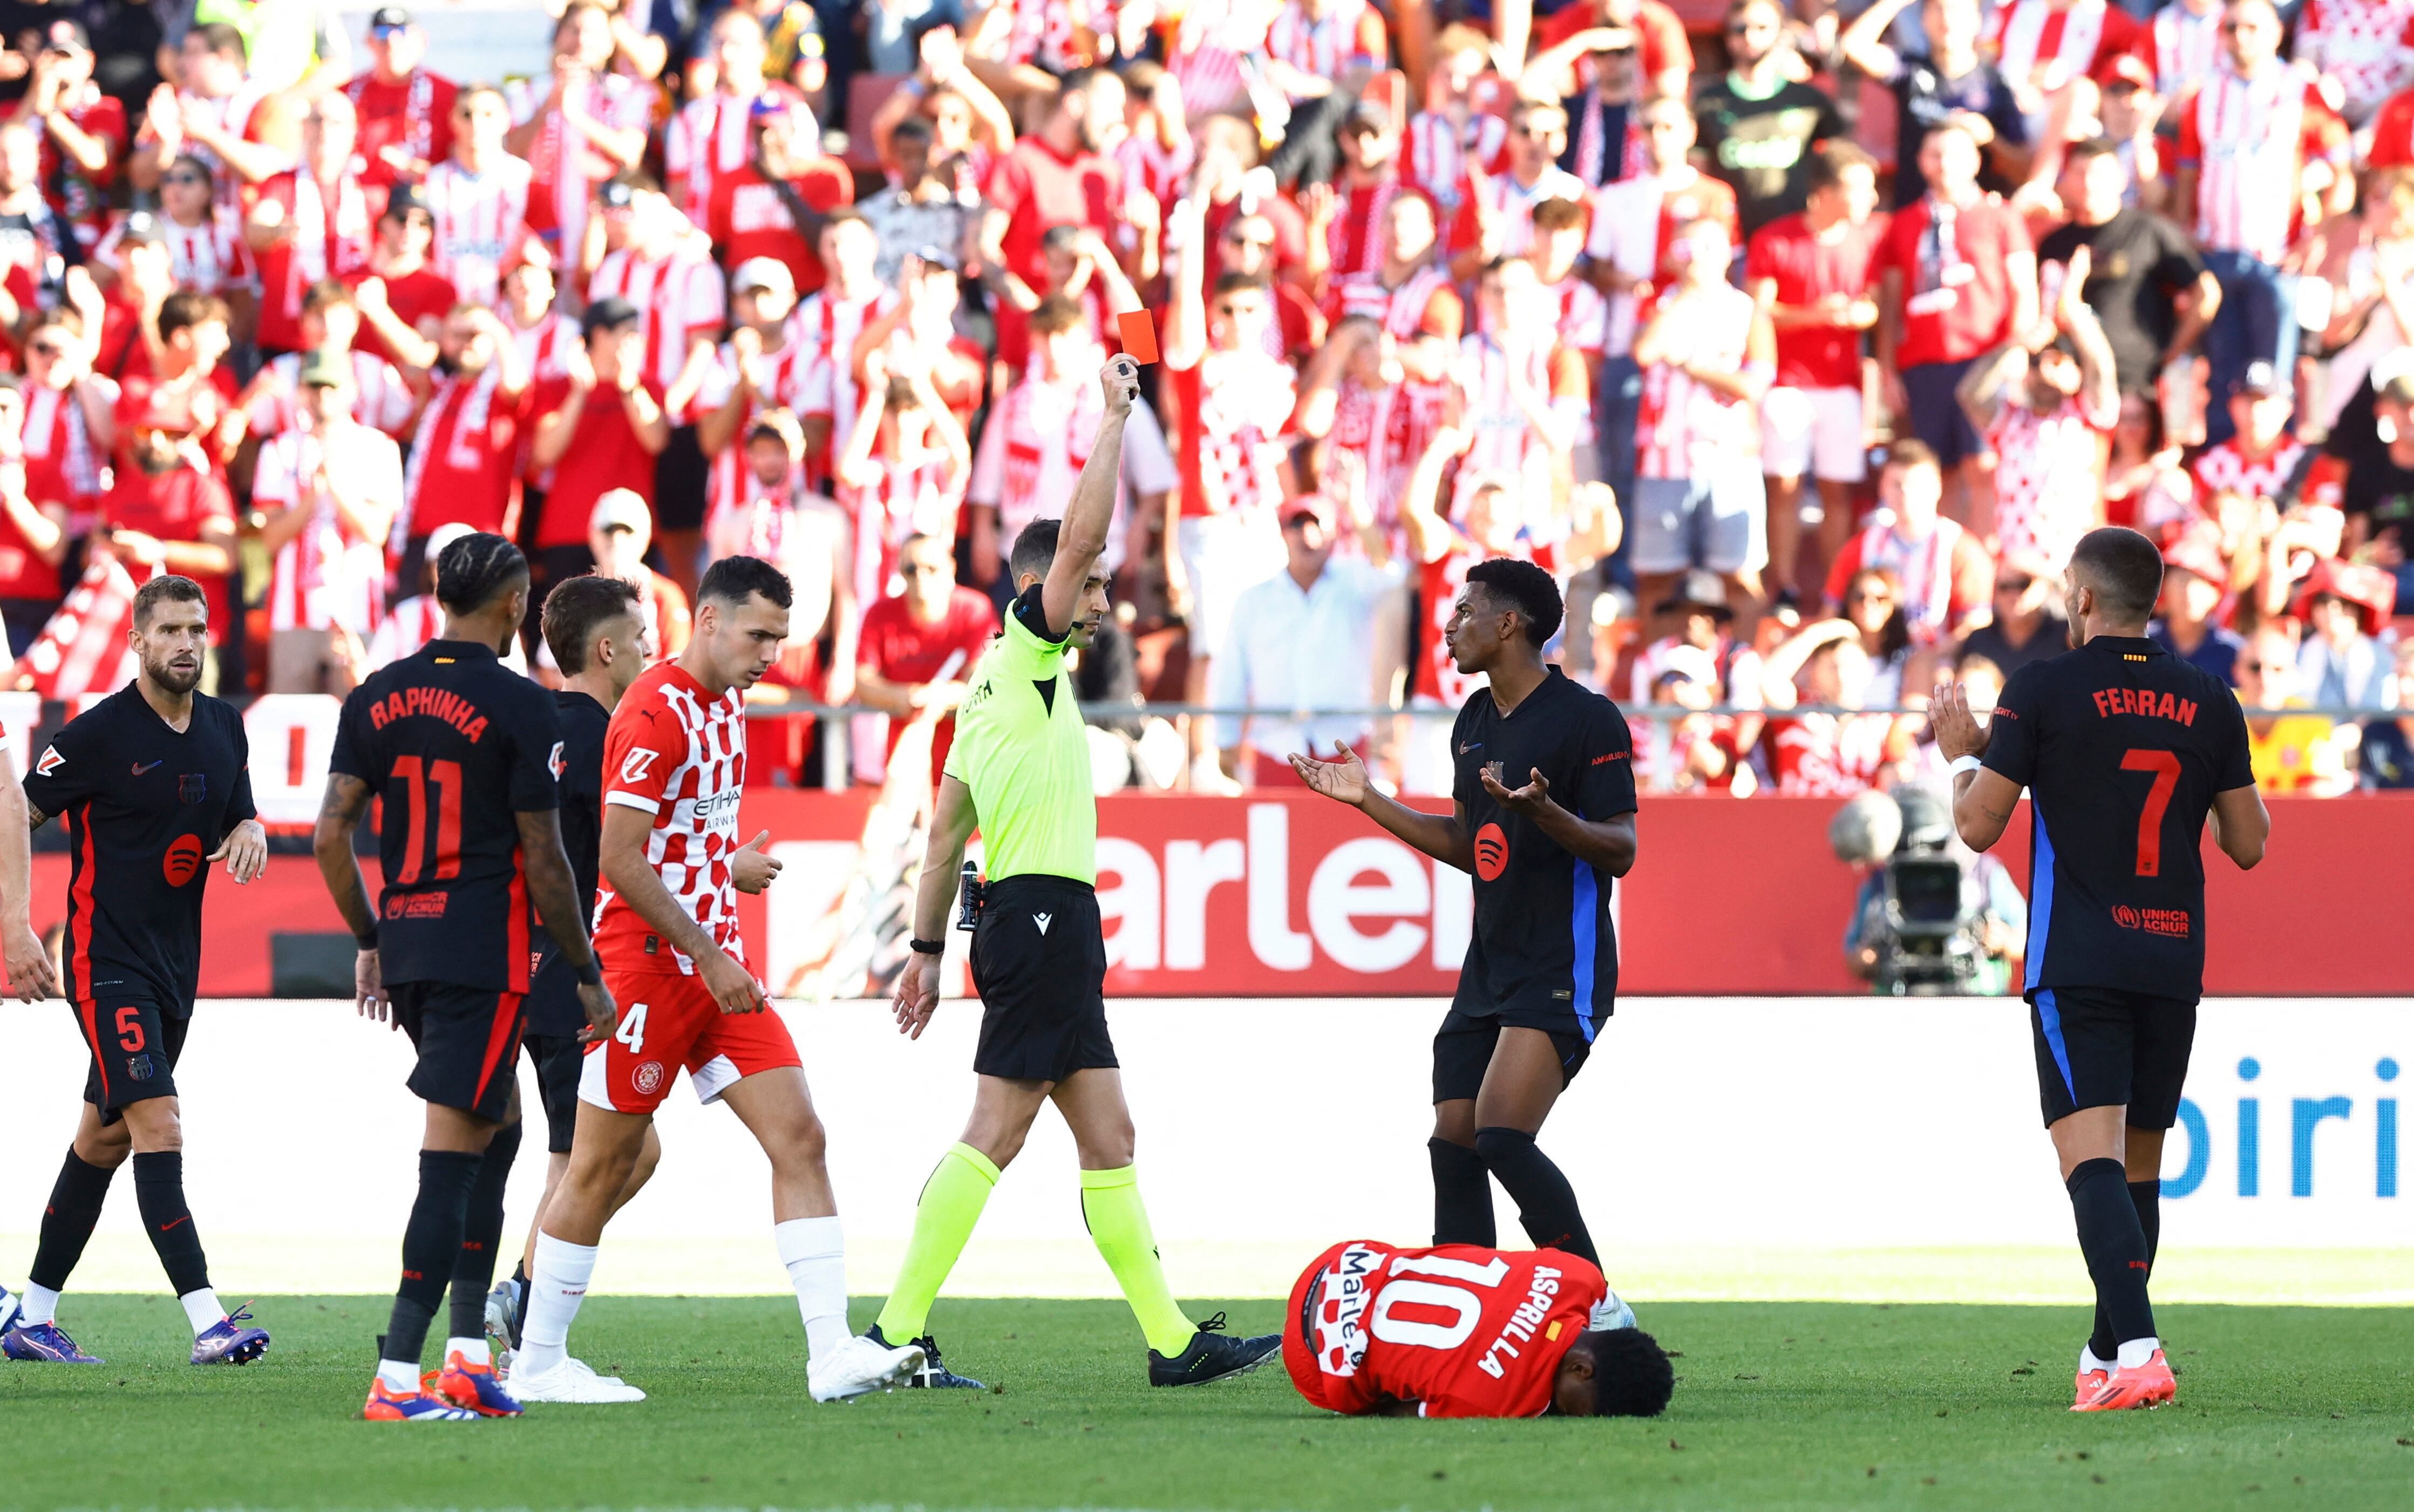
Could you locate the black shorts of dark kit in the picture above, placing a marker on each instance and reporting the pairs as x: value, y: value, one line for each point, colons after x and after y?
x: 134, y: 1048
x: 469, y: 1043
x: 1039, y: 963
x: 2106, y: 1048
x: 1463, y: 1050
x: 557, y: 1059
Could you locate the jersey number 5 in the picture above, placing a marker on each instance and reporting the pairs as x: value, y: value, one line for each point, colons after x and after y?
x: 446, y: 778
x: 1466, y: 1308
x: 2164, y: 764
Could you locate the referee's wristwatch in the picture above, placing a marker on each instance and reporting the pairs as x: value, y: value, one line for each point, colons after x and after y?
x: 927, y: 947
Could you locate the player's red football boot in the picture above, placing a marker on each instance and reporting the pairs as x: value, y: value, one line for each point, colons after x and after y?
x: 473, y: 1387
x: 2089, y: 1382
x: 2150, y: 1385
x: 386, y: 1405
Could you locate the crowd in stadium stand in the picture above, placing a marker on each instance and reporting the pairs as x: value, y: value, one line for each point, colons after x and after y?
x: 1800, y: 345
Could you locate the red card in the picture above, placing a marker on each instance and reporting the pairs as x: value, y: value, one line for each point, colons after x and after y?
x: 1139, y: 333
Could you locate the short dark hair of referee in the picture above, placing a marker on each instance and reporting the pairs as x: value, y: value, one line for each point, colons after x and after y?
x: 2127, y: 751
x: 1542, y: 962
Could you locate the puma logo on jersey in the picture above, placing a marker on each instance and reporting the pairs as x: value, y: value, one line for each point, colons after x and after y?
x: 553, y: 762
x: 1043, y: 920
x: 634, y: 766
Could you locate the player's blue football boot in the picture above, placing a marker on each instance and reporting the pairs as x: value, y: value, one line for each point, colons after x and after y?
x: 387, y: 1405
x: 44, y: 1341
x: 935, y: 1372
x: 471, y: 1386
x: 227, y: 1341
x: 1213, y: 1355
x: 9, y: 1308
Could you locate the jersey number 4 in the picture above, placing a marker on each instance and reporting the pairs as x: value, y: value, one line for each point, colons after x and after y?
x: 2164, y: 764
x: 418, y: 817
x: 1465, y: 1308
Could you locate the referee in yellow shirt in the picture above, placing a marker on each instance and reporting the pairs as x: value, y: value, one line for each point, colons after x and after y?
x: 1019, y: 772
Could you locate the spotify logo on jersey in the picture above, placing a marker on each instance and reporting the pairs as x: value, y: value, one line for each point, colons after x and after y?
x: 184, y: 858
x: 1491, y: 852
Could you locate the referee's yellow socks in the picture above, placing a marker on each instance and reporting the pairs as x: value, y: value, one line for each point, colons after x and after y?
x: 1119, y: 1227
x: 951, y: 1204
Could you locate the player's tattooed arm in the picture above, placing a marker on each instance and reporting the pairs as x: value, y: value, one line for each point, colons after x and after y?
x: 35, y: 818
x: 331, y: 842
x: 555, y: 891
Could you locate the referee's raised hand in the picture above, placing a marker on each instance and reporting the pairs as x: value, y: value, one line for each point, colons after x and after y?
x: 1120, y: 378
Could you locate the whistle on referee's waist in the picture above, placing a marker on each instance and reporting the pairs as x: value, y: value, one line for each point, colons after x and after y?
x: 969, y: 905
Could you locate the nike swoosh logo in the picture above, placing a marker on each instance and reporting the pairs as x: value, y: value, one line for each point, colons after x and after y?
x: 139, y: 769
x: 173, y: 1222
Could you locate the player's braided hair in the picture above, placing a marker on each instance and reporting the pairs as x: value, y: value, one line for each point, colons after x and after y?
x: 1630, y: 1373
x: 578, y: 607
x: 1526, y: 589
x: 474, y: 570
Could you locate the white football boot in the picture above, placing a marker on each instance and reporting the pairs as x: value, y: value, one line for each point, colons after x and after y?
x: 860, y: 1366
x: 573, y: 1380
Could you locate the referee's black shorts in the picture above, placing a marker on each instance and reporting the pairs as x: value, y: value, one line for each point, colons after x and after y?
x: 2106, y: 1048
x: 1039, y: 963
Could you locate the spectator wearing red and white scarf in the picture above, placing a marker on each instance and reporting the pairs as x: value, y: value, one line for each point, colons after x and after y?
x: 206, y: 242
x: 165, y: 512
x: 213, y: 111
x: 712, y: 135
x: 1057, y: 176
x: 331, y: 318
x: 405, y: 110
x: 1460, y: 135
x: 542, y: 333
x: 2043, y: 47
x: 904, y: 469
x: 1372, y: 415
x: 1037, y: 437
x: 1408, y: 287
x: 1213, y: 49
x: 752, y: 208
x: 479, y: 196
x: 2257, y: 145
x: 83, y: 130
x: 1529, y: 400
x: 33, y: 531
x: 310, y: 223
x: 329, y: 490
x: 578, y: 125
x: 761, y: 367
x: 1606, y: 140
x: 1945, y: 576
x: 1156, y: 153
x: 809, y: 538
x: 465, y: 458
x: 831, y: 324
x: 69, y: 424
x: 1580, y: 314
x: 2361, y: 46
x: 1362, y: 194
x: 2046, y: 417
x: 1325, y: 39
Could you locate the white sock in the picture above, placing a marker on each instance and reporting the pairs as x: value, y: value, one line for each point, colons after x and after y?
x: 814, y: 1252
x: 557, y: 1284
x: 401, y: 1376
x: 41, y: 1306
x: 473, y: 1351
x: 2089, y: 1364
x: 2138, y: 1352
x: 202, y: 1308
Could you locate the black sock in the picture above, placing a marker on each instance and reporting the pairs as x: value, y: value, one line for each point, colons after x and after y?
x: 481, y: 1230
x: 2147, y: 1197
x: 68, y: 1223
x: 1546, y: 1204
x: 431, y: 1246
x: 2114, y: 1242
x: 1461, y: 1195
x: 159, y: 1191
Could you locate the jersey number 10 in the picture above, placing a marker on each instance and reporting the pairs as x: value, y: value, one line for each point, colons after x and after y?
x: 2164, y: 764
x: 417, y: 817
x: 1465, y: 1305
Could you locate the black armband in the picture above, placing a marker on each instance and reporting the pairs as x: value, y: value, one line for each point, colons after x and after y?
x: 927, y: 947
x: 589, y: 974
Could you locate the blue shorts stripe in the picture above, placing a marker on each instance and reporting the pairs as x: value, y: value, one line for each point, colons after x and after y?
x: 2041, y: 898
x: 2050, y: 1019
x: 1586, y: 908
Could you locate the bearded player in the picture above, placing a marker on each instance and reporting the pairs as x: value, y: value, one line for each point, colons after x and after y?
x: 667, y: 928
x: 1463, y: 1331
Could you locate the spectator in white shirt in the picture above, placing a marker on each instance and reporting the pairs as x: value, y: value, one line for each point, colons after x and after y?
x: 328, y: 489
x: 1303, y: 638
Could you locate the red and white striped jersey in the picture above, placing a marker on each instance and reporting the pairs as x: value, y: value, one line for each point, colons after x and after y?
x: 1244, y: 403
x: 1441, y: 157
x: 2186, y: 45
x: 1387, y: 429
x: 913, y: 496
x: 2360, y: 43
x: 779, y: 376
x: 1032, y: 451
x: 711, y: 136
x: 2248, y: 141
x: 1686, y: 428
x: 233, y: 116
x: 1633, y: 220
x: 382, y: 400
x: 544, y: 346
x: 329, y: 574
x: 1149, y: 164
x: 678, y: 753
x: 1043, y: 31
x: 565, y: 169
x: 1828, y: 756
x: 1350, y: 35
x: 1354, y: 242
x: 825, y: 327
x: 1514, y: 202
x: 478, y: 216
x: 1400, y: 310
x: 465, y: 456
x: 680, y: 297
x: 1440, y: 582
x: 2048, y: 479
x: 2225, y: 468
x: 1583, y: 315
x: 1206, y: 54
x: 210, y: 256
x: 2048, y: 45
x: 62, y: 465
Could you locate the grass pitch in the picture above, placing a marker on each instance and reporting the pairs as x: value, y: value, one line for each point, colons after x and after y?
x: 1778, y: 1405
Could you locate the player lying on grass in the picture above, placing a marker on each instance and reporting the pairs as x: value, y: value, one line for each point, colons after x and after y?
x: 1462, y: 1331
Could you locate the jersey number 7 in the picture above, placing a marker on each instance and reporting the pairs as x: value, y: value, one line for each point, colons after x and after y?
x: 446, y: 778
x: 2164, y: 764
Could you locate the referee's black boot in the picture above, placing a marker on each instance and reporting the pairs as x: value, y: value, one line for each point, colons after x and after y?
x: 935, y: 1372
x: 1213, y: 1355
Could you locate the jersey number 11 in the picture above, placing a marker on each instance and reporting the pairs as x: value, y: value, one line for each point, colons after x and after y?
x: 446, y: 778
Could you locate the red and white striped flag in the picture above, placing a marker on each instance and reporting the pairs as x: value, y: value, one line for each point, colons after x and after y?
x: 83, y: 650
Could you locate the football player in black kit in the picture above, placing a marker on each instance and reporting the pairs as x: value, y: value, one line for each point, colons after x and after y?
x: 463, y: 753
x: 1543, y: 813
x: 2125, y: 750
x: 596, y: 629
x: 153, y: 784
